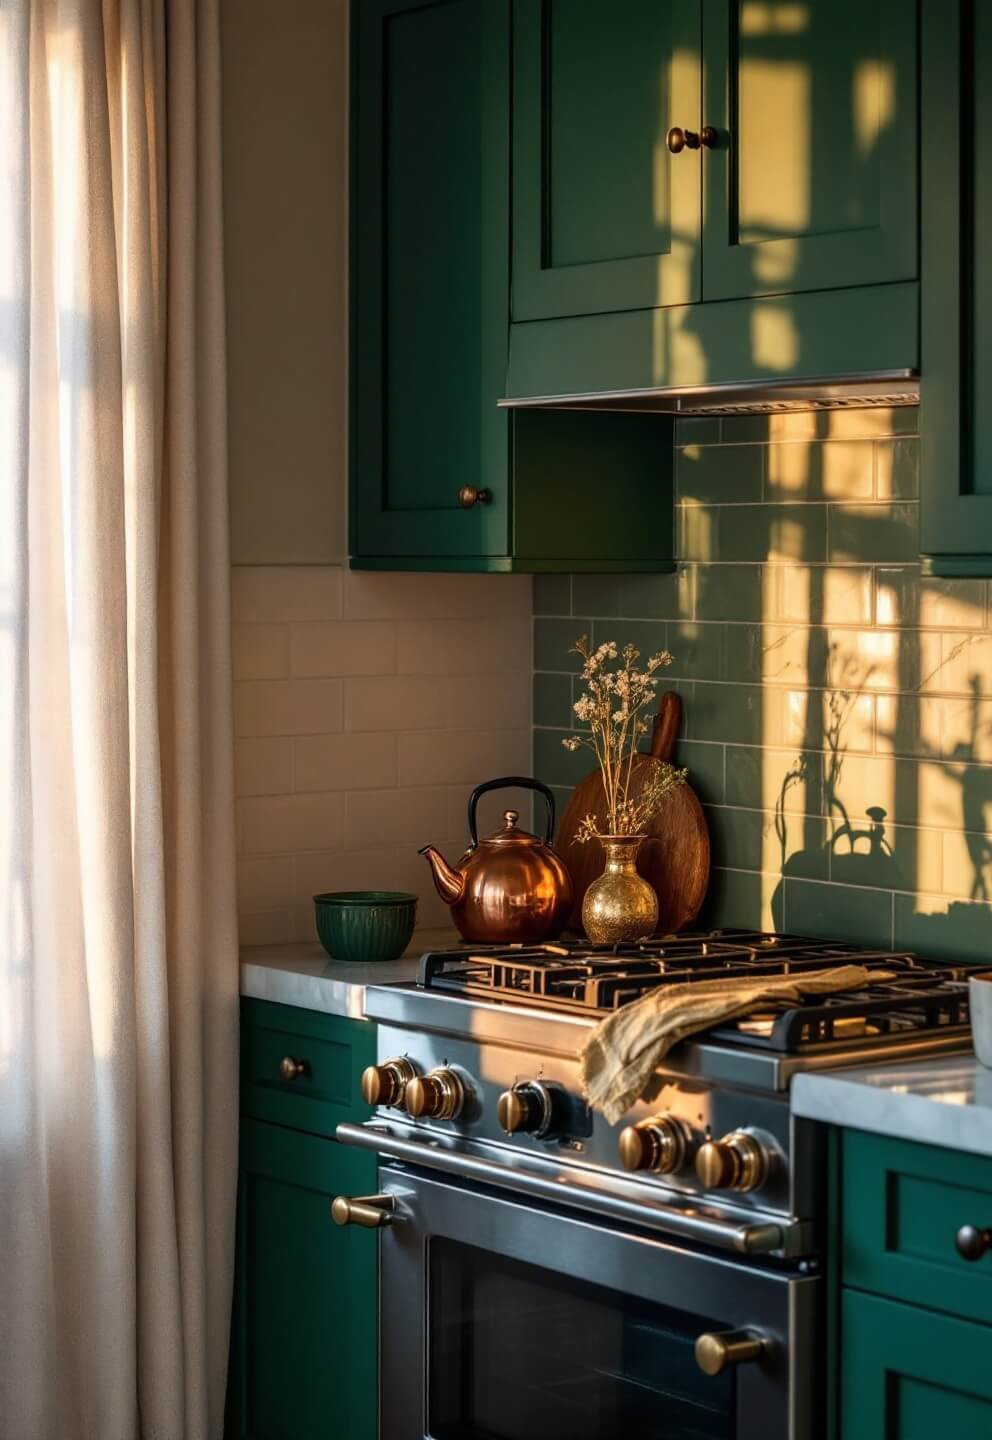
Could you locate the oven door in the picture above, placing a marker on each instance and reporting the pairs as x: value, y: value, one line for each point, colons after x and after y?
x: 503, y: 1320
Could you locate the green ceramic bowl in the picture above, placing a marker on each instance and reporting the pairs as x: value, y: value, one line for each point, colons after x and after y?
x: 364, y: 925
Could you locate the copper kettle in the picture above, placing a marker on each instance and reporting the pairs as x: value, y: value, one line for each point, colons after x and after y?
x: 509, y: 887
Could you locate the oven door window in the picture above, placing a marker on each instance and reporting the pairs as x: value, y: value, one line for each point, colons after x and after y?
x: 520, y: 1353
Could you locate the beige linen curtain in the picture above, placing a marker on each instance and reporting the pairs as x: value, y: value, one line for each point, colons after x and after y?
x: 118, y: 951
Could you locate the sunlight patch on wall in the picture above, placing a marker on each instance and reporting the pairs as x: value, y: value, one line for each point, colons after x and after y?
x: 874, y: 88
x: 774, y: 339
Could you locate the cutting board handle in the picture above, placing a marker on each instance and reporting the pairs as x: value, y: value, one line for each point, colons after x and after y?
x: 667, y: 723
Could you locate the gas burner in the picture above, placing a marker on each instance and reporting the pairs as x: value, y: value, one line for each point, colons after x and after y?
x: 577, y: 977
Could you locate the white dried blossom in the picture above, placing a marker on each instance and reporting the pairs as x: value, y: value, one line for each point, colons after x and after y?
x: 612, y: 707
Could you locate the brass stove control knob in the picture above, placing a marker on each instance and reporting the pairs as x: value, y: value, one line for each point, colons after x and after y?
x: 737, y: 1162
x: 437, y: 1096
x: 657, y: 1144
x: 530, y: 1108
x: 385, y: 1084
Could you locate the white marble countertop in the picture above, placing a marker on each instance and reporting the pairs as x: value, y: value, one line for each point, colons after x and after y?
x: 303, y: 975
x: 944, y: 1101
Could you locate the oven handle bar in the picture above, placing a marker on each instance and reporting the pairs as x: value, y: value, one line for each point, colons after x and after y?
x: 687, y: 1224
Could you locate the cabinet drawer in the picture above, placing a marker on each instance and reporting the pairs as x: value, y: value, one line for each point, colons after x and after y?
x: 332, y: 1050
x: 912, y: 1375
x: 903, y: 1206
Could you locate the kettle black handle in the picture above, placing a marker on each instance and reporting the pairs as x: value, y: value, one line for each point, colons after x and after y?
x: 510, y: 782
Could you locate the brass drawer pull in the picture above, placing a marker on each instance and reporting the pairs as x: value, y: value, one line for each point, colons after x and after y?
x: 290, y: 1069
x: 468, y: 496
x: 370, y: 1211
x: 972, y: 1243
x: 732, y: 1347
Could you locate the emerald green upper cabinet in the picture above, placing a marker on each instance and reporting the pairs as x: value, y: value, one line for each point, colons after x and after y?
x: 605, y: 217
x: 430, y: 319
x: 429, y: 276
x: 778, y: 243
x: 956, y: 311
x: 812, y: 182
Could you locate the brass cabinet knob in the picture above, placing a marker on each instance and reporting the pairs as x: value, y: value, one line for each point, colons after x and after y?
x: 385, y: 1084
x: 468, y: 496
x: 369, y: 1211
x: 679, y: 140
x: 657, y: 1144
x: 709, y: 137
x: 737, y: 1162
x: 972, y: 1243
x: 290, y: 1069
x: 437, y: 1096
x: 715, y: 1352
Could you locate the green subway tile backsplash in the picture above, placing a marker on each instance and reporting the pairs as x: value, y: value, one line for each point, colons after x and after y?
x: 822, y: 679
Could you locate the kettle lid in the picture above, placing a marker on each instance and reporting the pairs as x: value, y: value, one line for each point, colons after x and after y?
x: 511, y: 833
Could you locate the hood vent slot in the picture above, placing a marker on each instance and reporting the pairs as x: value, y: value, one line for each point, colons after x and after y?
x: 864, y: 392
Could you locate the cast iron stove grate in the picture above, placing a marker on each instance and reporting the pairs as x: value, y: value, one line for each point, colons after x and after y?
x: 575, y: 976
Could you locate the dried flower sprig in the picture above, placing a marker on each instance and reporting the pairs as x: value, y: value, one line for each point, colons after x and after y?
x: 612, y: 707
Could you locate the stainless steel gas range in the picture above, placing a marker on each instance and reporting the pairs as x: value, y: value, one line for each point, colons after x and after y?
x: 545, y: 1275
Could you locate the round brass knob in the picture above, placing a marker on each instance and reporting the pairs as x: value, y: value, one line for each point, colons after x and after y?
x: 737, y: 1162
x: 657, y: 1144
x: 972, y: 1243
x: 514, y: 1111
x: 437, y: 1096
x: 733, y: 1347
x: 385, y: 1084
x: 678, y: 140
x: 709, y: 137
x: 370, y: 1211
x: 290, y: 1069
x: 469, y: 495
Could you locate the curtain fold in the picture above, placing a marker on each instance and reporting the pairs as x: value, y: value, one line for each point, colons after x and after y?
x: 118, y: 946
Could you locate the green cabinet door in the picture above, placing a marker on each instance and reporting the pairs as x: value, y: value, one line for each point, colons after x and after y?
x: 909, y: 1374
x: 812, y: 182
x: 955, y: 418
x: 304, y: 1327
x: 429, y: 276
x: 605, y: 217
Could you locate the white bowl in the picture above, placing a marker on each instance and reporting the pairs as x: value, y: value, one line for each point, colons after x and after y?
x: 980, y: 1004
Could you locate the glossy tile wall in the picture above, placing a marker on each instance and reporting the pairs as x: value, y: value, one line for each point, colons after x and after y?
x: 838, y: 707
x: 366, y: 708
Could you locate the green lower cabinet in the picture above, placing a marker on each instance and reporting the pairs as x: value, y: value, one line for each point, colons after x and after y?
x: 910, y: 1374
x: 304, y: 1331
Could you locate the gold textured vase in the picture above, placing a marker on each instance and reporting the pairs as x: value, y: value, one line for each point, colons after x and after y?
x: 620, y: 905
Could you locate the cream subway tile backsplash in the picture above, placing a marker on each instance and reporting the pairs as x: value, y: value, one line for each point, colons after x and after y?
x: 260, y: 652
x: 287, y: 707
x: 343, y: 647
x: 264, y: 766
x: 285, y: 592
x: 366, y: 708
x: 345, y: 762
x: 838, y: 704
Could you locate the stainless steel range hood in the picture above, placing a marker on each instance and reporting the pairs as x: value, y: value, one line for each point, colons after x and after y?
x: 853, y: 392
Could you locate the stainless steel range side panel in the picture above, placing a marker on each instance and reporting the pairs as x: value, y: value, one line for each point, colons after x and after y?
x: 775, y: 1399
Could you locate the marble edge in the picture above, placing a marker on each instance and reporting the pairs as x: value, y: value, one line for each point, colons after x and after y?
x: 857, y: 1105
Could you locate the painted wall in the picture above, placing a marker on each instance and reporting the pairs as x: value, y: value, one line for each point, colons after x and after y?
x: 366, y: 706
x: 838, y: 706
x: 285, y: 152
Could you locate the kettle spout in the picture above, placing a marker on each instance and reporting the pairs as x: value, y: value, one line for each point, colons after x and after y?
x: 450, y: 884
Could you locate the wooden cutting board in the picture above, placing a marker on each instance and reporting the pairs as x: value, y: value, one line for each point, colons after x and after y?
x: 675, y: 858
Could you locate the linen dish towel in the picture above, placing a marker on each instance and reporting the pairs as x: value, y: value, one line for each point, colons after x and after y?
x: 625, y: 1049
